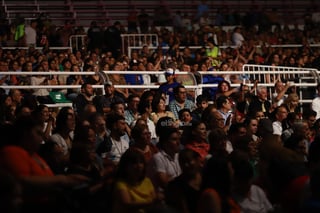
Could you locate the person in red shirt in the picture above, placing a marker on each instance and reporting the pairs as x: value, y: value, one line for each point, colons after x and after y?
x: 20, y: 159
x: 195, y: 138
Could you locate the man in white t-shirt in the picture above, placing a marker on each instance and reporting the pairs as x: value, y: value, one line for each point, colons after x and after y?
x: 31, y: 34
x: 237, y: 37
x: 315, y: 105
x: 280, y: 114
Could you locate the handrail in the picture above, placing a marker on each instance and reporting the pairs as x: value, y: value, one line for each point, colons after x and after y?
x: 150, y: 72
x: 77, y: 42
x: 37, y: 48
x: 139, y: 39
x: 302, y: 71
x: 46, y: 86
x: 306, y: 73
x: 227, y: 46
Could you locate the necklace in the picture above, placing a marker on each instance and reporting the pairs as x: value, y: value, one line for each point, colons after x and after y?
x: 117, y: 145
x: 175, y: 167
x: 172, y: 161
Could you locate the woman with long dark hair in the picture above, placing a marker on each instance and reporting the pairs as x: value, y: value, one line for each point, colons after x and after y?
x: 216, y: 187
x: 133, y: 191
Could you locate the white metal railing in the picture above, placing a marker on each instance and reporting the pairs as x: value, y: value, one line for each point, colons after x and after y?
x: 37, y: 48
x: 129, y: 40
x: 311, y: 76
x: 77, y: 42
x: 136, y: 41
x: 154, y: 47
x: 302, y: 77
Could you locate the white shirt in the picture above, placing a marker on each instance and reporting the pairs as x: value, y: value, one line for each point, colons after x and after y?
x: 117, y: 149
x: 237, y: 39
x: 57, y: 138
x: 274, y: 95
x: 30, y: 36
x: 146, y: 79
x: 162, y: 162
x: 256, y: 202
x: 225, y: 116
x: 161, y: 78
x: 315, y: 105
x: 151, y: 127
x: 277, y: 128
x: 38, y: 81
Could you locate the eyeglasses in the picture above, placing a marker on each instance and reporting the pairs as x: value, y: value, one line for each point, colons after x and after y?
x: 283, y: 111
x: 219, y: 119
x: 146, y: 133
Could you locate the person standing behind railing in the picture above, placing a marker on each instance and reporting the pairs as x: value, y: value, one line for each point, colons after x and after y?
x: 237, y: 37
x: 112, y: 39
x: 19, y: 31
x: 31, y: 34
x: 95, y: 34
x: 202, y: 8
x: 143, y: 19
x: 132, y: 20
x: 212, y: 52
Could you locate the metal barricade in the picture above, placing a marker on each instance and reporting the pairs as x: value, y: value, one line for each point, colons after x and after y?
x: 129, y: 40
x: 78, y: 42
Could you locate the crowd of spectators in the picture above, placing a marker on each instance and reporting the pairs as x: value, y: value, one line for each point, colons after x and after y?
x: 146, y: 150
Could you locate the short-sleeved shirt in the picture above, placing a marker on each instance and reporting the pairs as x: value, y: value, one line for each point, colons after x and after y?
x: 277, y: 128
x: 175, y: 107
x: 129, y: 116
x: 256, y: 201
x: 134, y: 79
x: 168, y: 89
x: 162, y: 162
x: 20, y: 163
x: 141, y: 193
x: 57, y: 138
x: 106, y: 102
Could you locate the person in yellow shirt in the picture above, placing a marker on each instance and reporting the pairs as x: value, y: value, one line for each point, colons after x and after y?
x: 133, y: 191
x: 213, y: 52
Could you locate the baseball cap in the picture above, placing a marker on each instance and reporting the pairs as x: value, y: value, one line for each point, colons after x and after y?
x: 133, y: 62
x: 108, y: 84
x: 169, y: 71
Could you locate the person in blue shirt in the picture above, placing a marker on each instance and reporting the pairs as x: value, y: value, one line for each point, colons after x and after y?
x: 169, y: 85
x: 134, y: 79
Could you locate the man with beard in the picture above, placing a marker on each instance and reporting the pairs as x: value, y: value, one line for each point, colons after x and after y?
x: 114, y: 145
x: 84, y: 98
x: 104, y: 102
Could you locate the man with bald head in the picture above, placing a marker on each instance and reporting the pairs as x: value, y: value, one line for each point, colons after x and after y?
x: 216, y: 121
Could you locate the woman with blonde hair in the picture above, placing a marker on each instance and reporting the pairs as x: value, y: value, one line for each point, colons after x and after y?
x: 292, y: 103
